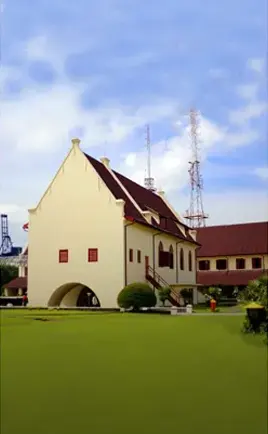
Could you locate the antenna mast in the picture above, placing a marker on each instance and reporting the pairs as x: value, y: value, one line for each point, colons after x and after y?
x: 149, y: 181
x: 195, y: 214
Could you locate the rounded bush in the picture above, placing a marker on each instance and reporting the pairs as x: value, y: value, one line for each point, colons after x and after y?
x: 136, y: 296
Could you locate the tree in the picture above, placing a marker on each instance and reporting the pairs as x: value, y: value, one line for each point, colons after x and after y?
x: 256, y: 290
x: 136, y: 295
x: 214, y: 292
x: 164, y: 294
x: 7, y: 273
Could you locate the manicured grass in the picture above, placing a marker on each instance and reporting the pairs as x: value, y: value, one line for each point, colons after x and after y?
x: 130, y: 374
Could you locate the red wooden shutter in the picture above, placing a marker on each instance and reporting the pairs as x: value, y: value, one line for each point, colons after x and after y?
x: 63, y: 255
x: 92, y: 255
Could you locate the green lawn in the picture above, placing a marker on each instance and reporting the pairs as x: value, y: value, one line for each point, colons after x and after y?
x: 103, y: 373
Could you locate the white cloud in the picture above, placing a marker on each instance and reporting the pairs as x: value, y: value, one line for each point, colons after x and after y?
x: 257, y: 64
x: 248, y: 112
x: 262, y: 172
x: 218, y: 73
x: 6, y: 208
x: 45, y: 117
x: 248, y: 91
x: 228, y: 207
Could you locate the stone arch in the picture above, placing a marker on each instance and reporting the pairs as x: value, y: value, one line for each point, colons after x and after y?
x: 73, y: 294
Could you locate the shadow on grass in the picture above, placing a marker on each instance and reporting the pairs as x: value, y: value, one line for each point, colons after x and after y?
x: 234, y: 328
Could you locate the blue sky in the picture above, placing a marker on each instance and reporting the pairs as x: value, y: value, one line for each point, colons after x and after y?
x: 102, y: 70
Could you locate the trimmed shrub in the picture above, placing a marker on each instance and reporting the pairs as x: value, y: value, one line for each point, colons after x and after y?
x: 136, y: 296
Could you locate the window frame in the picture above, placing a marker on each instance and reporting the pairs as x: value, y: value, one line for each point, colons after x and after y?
x: 160, y: 256
x: 130, y: 255
x: 226, y: 264
x: 237, y: 263
x: 190, y: 261
x: 139, y: 256
x: 252, y: 263
x: 205, y: 261
x: 171, y: 257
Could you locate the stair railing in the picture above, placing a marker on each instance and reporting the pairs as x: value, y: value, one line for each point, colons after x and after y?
x: 159, y: 279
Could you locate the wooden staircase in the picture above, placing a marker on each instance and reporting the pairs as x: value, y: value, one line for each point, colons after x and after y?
x: 158, y: 282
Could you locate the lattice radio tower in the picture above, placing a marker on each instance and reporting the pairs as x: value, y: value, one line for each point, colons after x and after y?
x: 149, y: 180
x: 195, y: 214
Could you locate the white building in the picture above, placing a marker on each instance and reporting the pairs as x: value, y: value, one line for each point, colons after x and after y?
x: 94, y: 231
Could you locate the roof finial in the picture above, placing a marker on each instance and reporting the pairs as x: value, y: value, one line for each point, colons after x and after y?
x: 76, y: 142
x: 105, y: 161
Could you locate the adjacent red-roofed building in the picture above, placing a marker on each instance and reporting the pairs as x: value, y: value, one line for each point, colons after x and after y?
x: 232, y: 255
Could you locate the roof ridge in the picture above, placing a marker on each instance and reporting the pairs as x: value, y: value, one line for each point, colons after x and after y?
x: 234, y: 224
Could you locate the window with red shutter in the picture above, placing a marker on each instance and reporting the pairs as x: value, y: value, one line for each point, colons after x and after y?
x: 92, y: 255
x: 130, y: 255
x: 63, y: 255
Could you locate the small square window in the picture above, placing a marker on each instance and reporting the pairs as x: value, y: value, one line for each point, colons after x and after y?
x: 240, y: 263
x: 63, y: 256
x: 204, y: 265
x: 92, y: 255
x: 256, y: 263
x: 138, y: 256
x: 130, y: 255
x: 221, y: 264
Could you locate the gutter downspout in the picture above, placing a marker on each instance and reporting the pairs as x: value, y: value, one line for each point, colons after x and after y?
x: 125, y: 248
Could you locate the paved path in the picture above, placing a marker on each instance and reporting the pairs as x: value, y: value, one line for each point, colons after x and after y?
x: 218, y: 314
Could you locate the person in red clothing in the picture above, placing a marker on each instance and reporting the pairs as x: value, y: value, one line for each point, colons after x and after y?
x: 24, y: 300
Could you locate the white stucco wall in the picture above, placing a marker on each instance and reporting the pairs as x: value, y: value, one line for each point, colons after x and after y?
x: 77, y: 212
x: 141, y: 238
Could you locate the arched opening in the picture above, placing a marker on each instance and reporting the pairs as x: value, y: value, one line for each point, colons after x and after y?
x: 181, y: 259
x: 190, y: 261
x: 160, y: 254
x: 73, y: 295
x: 171, y: 257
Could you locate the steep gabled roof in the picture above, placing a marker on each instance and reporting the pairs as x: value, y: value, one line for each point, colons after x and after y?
x: 144, y: 199
x: 115, y: 189
x: 237, y: 239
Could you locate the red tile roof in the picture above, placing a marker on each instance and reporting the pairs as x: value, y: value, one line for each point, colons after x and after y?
x: 18, y: 282
x: 231, y: 277
x: 237, y: 239
x: 145, y: 199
